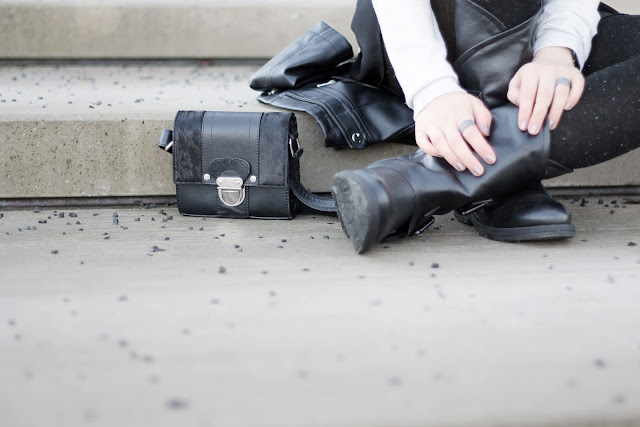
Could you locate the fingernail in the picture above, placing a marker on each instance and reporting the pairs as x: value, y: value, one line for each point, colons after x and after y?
x: 460, y: 167
x: 486, y: 129
x: 477, y: 170
x: 523, y: 125
x: 533, y: 129
x: 567, y: 107
x: 491, y: 159
x: 551, y: 124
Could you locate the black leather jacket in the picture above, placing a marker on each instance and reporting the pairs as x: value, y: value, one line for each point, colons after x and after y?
x: 357, y: 102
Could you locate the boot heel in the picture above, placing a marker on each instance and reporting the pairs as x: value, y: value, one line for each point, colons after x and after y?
x: 358, y: 209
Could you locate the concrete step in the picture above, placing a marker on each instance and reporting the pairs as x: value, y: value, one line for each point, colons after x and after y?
x: 90, y: 130
x: 169, y: 28
x: 161, y: 28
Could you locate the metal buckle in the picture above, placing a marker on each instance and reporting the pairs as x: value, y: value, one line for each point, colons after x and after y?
x: 469, y: 209
x: 231, y: 190
x: 291, y: 149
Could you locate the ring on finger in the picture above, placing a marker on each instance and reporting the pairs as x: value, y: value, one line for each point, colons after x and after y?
x: 464, y: 125
x: 563, y: 81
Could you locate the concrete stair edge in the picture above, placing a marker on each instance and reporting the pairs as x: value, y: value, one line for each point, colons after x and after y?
x: 106, y: 146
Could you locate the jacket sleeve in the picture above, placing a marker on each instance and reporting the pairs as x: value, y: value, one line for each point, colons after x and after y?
x: 416, y: 50
x: 568, y: 23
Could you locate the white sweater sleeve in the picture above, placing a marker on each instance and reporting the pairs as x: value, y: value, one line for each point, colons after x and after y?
x: 416, y: 50
x: 568, y: 23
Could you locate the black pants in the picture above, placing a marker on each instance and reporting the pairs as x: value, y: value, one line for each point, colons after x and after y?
x: 606, y: 122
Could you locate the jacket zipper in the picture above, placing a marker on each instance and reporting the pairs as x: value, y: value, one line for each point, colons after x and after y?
x: 325, y: 107
x: 351, y: 111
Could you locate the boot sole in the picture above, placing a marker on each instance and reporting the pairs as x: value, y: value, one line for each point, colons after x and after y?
x: 357, y: 210
x: 524, y: 234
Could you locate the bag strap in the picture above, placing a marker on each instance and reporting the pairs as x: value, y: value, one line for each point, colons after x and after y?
x: 313, y: 201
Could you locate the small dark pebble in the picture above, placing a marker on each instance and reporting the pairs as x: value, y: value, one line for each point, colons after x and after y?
x: 137, y: 220
x: 214, y: 301
x: 190, y: 228
x: 632, y: 244
x: 280, y: 247
x: 222, y: 235
x: 107, y: 238
x: 105, y: 234
x: 306, y: 270
x: 167, y: 238
x: 612, y: 212
x: 177, y: 404
x: 154, y: 248
x: 19, y: 229
x: 222, y: 270
x: 236, y: 246
x: 28, y: 228
x: 64, y: 233
x: 96, y: 214
x: 411, y: 263
x: 73, y: 215
x: 600, y: 363
x: 78, y: 223
x: 311, y: 238
x: 284, y: 240
x: 36, y: 210
x: 600, y: 201
x: 153, y: 219
x: 61, y: 215
x: 122, y: 298
x: 115, y: 214
x: 115, y: 221
x: 201, y: 229
x: 55, y: 252
x: 326, y: 237
x: 435, y: 265
x: 68, y: 223
x: 395, y: 382
x: 124, y: 228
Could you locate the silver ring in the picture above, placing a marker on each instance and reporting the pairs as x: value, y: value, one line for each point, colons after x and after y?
x: 563, y: 81
x: 464, y: 125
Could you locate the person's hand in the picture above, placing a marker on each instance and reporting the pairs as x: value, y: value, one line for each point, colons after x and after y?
x: 438, y: 131
x: 545, y: 88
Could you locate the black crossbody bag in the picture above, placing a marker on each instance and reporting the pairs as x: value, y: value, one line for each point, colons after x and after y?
x: 239, y: 165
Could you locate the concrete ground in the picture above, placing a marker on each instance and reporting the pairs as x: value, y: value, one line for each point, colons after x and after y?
x: 164, y: 320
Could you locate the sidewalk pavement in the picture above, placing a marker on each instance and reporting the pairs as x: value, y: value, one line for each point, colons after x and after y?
x: 164, y: 320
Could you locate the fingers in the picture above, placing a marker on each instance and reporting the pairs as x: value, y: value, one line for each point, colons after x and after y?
x: 443, y: 144
x: 528, y: 92
x: 560, y: 99
x: 482, y: 116
x: 425, y: 144
x: 544, y: 97
x: 577, y: 89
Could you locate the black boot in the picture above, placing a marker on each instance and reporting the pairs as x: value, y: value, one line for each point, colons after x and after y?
x: 526, y: 215
x: 399, y: 196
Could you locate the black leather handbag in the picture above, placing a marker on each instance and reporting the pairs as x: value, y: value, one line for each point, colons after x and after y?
x: 239, y: 165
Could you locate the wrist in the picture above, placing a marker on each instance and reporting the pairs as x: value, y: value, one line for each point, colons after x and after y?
x: 557, y: 55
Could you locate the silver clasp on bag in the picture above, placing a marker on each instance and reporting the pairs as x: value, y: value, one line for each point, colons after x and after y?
x: 231, y: 190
